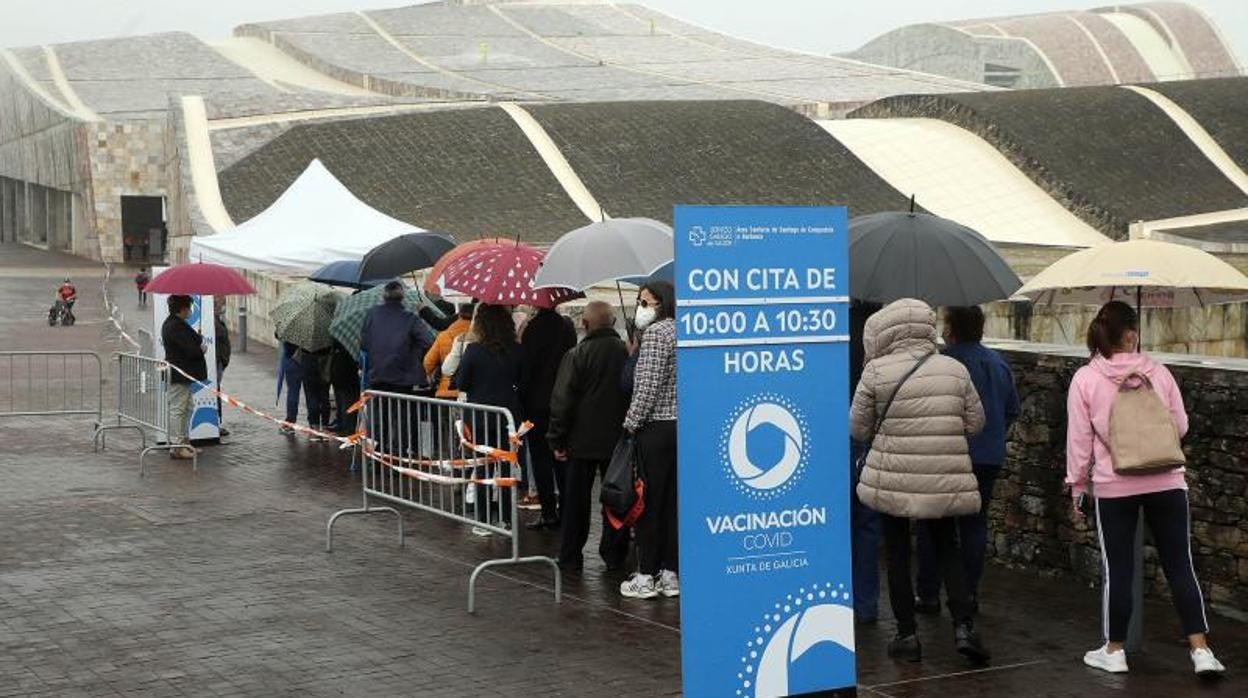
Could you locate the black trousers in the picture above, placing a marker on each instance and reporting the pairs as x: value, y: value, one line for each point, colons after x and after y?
x: 972, y: 537
x: 658, y: 545
x: 548, y: 473
x: 578, y: 503
x: 944, y: 538
x: 1169, y: 520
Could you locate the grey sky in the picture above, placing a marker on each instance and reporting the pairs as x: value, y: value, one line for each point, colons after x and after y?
x: 819, y: 26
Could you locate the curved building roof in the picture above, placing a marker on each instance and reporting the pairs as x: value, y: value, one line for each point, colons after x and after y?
x: 1107, y: 46
x: 575, y: 51
x: 1108, y: 154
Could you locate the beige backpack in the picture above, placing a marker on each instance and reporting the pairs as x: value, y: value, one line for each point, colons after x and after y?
x: 1142, y: 436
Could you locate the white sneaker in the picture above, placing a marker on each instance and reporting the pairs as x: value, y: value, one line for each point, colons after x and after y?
x: 1113, y: 662
x: 668, y: 584
x: 639, y: 586
x: 1206, y: 664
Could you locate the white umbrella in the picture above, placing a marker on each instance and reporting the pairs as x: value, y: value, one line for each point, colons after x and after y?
x: 1145, y: 273
x: 606, y: 251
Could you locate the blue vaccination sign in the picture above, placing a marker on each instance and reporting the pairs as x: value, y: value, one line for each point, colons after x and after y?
x: 762, y: 371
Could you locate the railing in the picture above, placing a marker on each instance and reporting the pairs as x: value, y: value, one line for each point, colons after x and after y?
x: 143, y: 405
x: 51, y: 383
x: 458, y: 461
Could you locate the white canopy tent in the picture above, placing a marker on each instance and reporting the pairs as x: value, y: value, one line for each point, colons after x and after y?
x: 314, y: 222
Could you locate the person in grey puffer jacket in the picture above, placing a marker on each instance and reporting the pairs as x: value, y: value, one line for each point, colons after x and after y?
x: 919, y: 465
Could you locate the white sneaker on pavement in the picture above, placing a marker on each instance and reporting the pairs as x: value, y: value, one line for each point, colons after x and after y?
x: 639, y: 586
x: 1206, y: 664
x: 668, y: 584
x: 1112, y: 662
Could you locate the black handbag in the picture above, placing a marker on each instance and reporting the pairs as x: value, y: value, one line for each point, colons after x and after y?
x: 622, y: 486
x: 879, y: 421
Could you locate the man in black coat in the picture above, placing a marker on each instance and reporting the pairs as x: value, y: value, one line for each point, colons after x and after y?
x: 543, y: 342
x: 587, y: 410
x: 184, y: 349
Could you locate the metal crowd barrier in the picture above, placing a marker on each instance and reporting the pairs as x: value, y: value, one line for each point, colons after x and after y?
x: 51, y: 383
x: 413, y: 456
x: 143, y: 404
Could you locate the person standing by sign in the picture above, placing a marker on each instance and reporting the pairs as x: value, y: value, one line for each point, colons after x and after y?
x: 1119, y: 498
x: 994, y: 382
x: 651, y: 419
x: 184, y: 350
x: 586, y: 411
x: 866, y: 523
x: 914, y: 409
x: 222, y: 340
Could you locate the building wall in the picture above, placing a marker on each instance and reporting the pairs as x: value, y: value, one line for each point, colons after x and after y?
x: 1032, y: 525
x: 44, y: 164
x: 127, y: 159
x: 941, y: 50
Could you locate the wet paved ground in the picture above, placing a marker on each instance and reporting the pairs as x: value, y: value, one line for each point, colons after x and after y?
x: 218, y: 584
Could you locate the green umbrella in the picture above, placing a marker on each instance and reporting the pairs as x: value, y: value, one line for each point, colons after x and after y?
x: 349, y: 318
x: 303, y: 313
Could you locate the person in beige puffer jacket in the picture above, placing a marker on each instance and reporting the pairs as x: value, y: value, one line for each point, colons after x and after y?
x: 919, y: 465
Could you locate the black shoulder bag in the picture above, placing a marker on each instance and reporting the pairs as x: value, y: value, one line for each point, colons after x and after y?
x: 879, y: 421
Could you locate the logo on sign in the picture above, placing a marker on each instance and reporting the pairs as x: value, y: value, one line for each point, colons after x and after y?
x: 697, y: 236
x: 788, y: 650
x: 764, y: 445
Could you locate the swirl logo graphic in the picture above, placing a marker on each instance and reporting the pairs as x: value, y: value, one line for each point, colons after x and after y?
x: 806, y: 639
x: 764, y: 446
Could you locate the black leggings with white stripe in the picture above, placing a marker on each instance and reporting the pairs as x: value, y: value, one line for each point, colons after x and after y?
x: 1169, y: 520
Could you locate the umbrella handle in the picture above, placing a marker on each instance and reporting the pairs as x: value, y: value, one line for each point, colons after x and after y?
x: 628, y: 324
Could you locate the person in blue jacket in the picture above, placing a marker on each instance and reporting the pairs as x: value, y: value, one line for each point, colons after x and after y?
x: 994, y: 381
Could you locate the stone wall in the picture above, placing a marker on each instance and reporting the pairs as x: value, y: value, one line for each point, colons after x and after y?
x: 1031, y: 515
x: 128, y: 158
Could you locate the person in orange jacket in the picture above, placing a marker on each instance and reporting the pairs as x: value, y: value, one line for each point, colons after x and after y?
x: 442, y: 348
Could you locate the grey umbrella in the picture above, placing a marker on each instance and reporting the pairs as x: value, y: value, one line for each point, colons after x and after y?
x: 605, y: 251
x: 896, y: 255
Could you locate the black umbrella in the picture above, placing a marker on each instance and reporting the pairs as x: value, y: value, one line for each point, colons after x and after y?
x: 345, y: 273
x: 404, y: 254
x: 896, y: 255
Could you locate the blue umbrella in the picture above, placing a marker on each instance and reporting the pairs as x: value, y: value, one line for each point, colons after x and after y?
x: 345, y: 273
x: 664, y: 273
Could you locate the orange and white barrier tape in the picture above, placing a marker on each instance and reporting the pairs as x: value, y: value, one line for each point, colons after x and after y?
x: 488, y: 454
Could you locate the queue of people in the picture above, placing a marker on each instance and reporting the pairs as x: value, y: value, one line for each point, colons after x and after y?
x: 930, y: 433
x: 929, y: 429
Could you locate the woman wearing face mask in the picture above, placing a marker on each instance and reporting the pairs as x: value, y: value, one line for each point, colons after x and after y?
x: 652, y: 419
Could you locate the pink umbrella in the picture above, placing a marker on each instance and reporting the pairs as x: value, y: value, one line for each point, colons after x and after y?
x: 502, y: 274
x: 200, y: 279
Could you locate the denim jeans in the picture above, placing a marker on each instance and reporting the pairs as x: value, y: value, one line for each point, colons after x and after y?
x: 865, y: 542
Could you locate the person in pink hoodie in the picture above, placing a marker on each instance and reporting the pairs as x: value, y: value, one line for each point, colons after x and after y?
x: 1112, y: 338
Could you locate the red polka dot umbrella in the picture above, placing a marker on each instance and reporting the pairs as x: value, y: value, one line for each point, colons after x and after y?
x: 502, y: 274
x: 435, y: 277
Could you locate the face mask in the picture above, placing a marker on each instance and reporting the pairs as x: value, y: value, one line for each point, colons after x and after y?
x: 644, y: 317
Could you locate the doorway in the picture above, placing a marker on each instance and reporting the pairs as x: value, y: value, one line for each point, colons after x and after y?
x: 144, y: 232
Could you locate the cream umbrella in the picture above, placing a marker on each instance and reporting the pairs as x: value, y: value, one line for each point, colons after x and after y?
x: 1144, y: 273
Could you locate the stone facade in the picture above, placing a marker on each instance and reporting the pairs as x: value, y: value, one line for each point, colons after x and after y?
x: 127, y: 158
x: 1032, y: 523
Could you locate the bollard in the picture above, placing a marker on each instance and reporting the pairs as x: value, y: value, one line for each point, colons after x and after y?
x: 242, y: 325
x: 1135, y: 629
